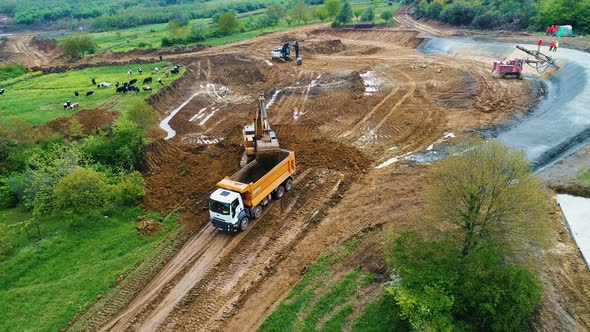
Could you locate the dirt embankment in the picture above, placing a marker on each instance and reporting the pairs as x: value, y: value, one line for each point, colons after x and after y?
x: 89, y: 122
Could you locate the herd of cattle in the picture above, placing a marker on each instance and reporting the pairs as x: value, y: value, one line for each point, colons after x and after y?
x: 119, y: 87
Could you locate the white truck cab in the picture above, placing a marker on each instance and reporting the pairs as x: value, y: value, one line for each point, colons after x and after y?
x: 227, y: 212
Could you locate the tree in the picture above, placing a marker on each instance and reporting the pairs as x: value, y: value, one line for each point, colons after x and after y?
x: 299, y: 12
x: 228, y: 23
x: 437, y: 288
x: 332, y: 7
x: 81, y: 190
x: 386, y: 15
x: 176, y: 29
x: 274, y: 13
x: 141, y: 114
x: 77, y: 45
x: 345, y: 14
x: 357, y: 13
x: 368, y: 14
x: 488, y: 192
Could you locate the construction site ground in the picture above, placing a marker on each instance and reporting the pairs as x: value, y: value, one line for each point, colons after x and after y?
x: 361, y: 101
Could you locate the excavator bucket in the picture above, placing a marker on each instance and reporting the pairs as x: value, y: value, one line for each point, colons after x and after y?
x: 267, y: 153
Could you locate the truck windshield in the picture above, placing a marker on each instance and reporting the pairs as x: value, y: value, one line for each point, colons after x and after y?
x: 219, y: 207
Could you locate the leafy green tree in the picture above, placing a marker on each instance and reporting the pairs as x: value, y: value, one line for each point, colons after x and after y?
x: 386, y: 15
x: 489, y: 192
x: 319, y: 13
x: 228, y: 23
x: 299, y: 12
x: 332, y: 7
x: 120, y: 148
x: 357, y: 13
x: 141, y: 114
x: 129, y: 189
x: 79, y: 44
x: 439, y: 289
x: 81, y: 190
x: 368, y: 14
x: 345, y: 14
x: 274, y: 13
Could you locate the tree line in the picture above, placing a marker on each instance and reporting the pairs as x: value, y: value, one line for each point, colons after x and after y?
x: 506, y: 14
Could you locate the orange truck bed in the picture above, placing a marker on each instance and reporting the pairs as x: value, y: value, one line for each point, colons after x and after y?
x: 256, y: 181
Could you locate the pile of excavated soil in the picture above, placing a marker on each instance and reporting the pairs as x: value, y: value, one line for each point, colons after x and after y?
x: 46, y: 45
x: 323, y: 46
x: 148, y: 227
x: 90, y: 122
x: 176, y: 173
x: 405, y: 38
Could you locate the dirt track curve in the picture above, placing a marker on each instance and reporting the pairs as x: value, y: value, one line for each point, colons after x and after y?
x: 361, y: 99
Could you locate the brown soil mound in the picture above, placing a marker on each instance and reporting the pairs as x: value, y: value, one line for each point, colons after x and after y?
x: 176, y: 173
x: 405, y: 38
x: 148, y: 227
x: 571, y: 189
x: 46, y: 45
x: 312, y: 150
x: 90, y: 122
x: 323, y: 47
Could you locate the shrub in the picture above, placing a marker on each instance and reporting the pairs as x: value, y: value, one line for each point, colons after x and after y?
x: 368, y: 14
x: 129, y: 190
x: 81, y: 190
x: 6, y: 236
x: 439, y: 289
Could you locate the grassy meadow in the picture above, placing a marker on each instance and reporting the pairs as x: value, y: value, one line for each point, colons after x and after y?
x: 44, y: 284
x: 39, y: 99
x: 329, y: 297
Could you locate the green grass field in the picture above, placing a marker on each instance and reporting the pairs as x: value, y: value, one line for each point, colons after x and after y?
x: 321, y: 302
x: 39, y: 99
x: 43, y: 285
x: 583, y: 177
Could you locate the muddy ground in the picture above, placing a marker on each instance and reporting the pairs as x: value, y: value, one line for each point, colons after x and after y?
x: 360, y: 99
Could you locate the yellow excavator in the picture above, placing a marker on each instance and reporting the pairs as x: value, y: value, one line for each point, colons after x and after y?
x: 260, y: 142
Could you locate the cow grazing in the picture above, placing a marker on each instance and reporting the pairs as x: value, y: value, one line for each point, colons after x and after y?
x: 160, y: 81
x: 133, y: 81
x: 117, y: 84
x: 67, y: 104
x: 74, y: 106
x: 134, y: 89
x: 103, y: 85
x: 94, y: 81
x: 90, y: 93
x: 166, y: 73
x: 122, y: 89
x: 76, y: 93
x: 1, y: 92
x: 176, y: 70
x: 147, y: 80
x: 147, y: 88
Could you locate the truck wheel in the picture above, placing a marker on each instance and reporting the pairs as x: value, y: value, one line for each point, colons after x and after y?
x: 243, y: 224
x: 265, y: 201
x: 288, y: 185
x: 279, y: 192
x: 256, y: 212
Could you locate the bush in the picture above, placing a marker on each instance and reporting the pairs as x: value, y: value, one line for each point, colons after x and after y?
x: 81, y: 190
x: 6, y: 236
x: 439, y: 289
x: 119, y: 149
x: 129, y: 190
x: 368, y: 14
x: 7, y: 198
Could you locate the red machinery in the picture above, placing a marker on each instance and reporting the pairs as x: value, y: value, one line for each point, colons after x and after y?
x: 513, y: 68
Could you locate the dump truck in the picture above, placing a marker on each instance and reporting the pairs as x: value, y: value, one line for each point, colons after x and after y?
x: 241, y: 197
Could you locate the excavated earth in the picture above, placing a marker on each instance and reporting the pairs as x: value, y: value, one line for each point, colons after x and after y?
x: 360, y: 99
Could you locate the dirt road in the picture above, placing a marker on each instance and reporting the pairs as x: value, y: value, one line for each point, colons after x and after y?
x: 21, y: 48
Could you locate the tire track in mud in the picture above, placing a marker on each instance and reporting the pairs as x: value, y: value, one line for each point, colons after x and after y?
x: 218, y: 294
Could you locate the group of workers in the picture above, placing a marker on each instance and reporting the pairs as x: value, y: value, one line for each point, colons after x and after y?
x: 553, y: 45
x: 551, y: 30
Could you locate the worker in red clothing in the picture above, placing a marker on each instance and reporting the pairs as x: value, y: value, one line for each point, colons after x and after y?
x: 548, y: 30
x: 539, y: 44
x: 552, y: 45
x: 554, y: 30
